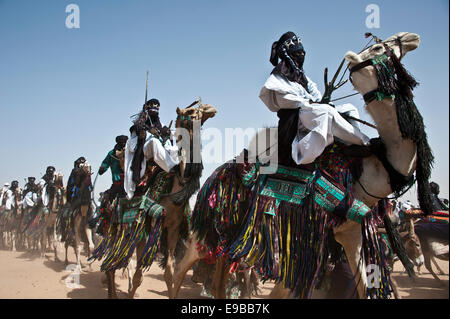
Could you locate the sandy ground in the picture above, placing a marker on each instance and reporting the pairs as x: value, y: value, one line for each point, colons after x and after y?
x: 25, y: 275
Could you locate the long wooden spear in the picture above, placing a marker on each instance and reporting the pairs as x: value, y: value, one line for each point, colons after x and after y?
x: 146, y: 89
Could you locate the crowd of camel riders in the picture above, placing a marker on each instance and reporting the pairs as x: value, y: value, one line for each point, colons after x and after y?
x: 145, y: 215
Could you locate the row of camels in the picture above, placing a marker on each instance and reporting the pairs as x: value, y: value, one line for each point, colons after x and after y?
x: 403, y: 153
x: 373, y: 184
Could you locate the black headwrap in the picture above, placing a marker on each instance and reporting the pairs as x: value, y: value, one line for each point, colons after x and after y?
x: 290, y: 66
x: 121, y: 140
x: 79, y: 161
x: 14, y: 185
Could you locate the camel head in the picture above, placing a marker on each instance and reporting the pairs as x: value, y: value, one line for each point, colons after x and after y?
x: 59, y: 180
x: 202, y: 113
x: 365, y: 80
x: 86, y: 167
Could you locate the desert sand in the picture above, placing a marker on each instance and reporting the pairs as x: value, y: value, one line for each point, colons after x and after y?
x: 25, y: 275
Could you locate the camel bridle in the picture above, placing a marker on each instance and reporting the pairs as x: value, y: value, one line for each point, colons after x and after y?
x: 376, y: 93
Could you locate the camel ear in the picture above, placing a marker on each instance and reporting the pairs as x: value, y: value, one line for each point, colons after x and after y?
x: 352, y: 57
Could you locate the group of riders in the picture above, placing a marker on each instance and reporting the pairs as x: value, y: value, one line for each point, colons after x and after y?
x: 307, y: 124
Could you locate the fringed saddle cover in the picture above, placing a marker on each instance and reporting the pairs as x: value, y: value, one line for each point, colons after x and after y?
x: 129, y: 226
x: 280, y: 223
x: 37, y: 226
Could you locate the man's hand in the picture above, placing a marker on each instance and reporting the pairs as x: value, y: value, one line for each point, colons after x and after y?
x: 154, y: 131
x: 101, y: 170
x: 165, y: 131
x: 314, y: 102
x: 142, y: 134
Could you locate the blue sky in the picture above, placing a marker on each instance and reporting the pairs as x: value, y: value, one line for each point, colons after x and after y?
x: 66, y: 93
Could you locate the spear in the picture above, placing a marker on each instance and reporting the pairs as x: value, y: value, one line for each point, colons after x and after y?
x: 146, y: 89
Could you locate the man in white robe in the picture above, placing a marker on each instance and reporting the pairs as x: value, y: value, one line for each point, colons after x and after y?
x: 288, y: 88
x: 47, y: 184
x: 148, y: 141
x: 3, y: 194
x: 10, y: 202
x: 29, y: 194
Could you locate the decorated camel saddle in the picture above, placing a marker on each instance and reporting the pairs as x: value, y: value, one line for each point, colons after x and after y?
x: 261, y: 213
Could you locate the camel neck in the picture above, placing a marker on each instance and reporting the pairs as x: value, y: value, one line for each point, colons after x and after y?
x: 401, y: 152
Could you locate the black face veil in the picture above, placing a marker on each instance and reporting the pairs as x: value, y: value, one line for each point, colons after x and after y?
x: 290, y: 51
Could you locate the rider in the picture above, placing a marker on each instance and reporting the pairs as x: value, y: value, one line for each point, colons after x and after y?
x: 139, y: 149
x: 47, y: 183
x: 3, y: 194
x: 305, y: 125
x: 71, y: 188
x: 10, y: 196
x: 113, y: 161
x: 438, y: 204
x: 30, y: 193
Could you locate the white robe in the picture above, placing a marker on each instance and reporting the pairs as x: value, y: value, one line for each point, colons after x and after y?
x: 166, y: 156
x: 10, y: 200
x: 45, y: 196
x: 29, y: 200
x: 318, y: 123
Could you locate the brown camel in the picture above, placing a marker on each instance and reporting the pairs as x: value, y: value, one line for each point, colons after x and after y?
x: 78, y: 219
x: 48, y: 236
x: 185, y: 183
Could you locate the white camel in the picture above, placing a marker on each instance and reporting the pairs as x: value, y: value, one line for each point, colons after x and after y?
x: 401, y: 154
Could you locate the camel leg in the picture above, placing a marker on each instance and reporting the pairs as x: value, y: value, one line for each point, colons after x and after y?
x: 172, y: 226
x: 137, y: 278
x: 440, y: 271
x: 43, y: 243
x: 245, y: 277
x: 430, y: 269
x: 76, y: 225
x: 13, y: 241
x: 130, y: 270
x: 55, y: 243
x: 88, y: 231
x: 349, y: 236
x: 394, y: 288
x: 190, y: 257
x: 112, y: 293
x: 66, y: 246
x: 220, y: 279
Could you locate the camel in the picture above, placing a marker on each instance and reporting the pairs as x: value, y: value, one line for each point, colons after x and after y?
x: 11, y: 220
x: 374, y: 183
x: 79, y: 217
x: 48, y: 237
x: 174, y: 206
x: 185, y: 183
x: 424, y: 242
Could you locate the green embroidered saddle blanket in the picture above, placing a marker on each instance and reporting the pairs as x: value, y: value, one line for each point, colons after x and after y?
x: 139, y: 207
x: 293, y: 185
x: 130, y: 210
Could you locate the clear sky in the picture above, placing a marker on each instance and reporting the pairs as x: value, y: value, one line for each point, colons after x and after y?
x: 66, y: 93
